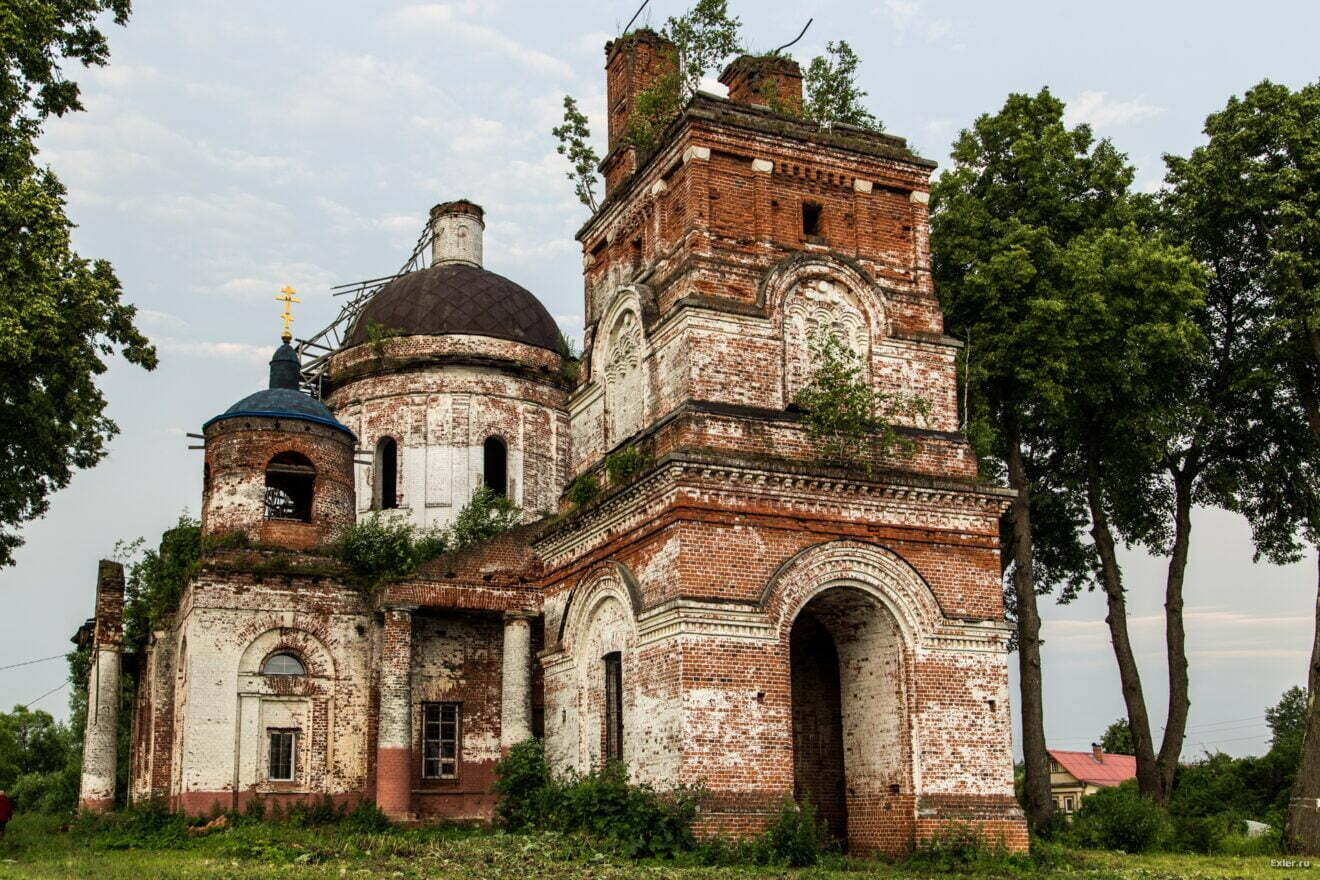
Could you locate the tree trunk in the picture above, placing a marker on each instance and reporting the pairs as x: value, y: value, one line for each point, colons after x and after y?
x: 1039, y: 803
x: 1175, y: 633
x: 1128, y: 674
x: 1301, y: 832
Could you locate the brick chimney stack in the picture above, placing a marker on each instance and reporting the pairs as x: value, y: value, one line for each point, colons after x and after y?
x: 633, y: 63
x: 1097, y: 753
x: 771, y: 81
x: 458, y: 228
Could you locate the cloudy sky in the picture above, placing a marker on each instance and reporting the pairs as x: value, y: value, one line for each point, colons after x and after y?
x: 231, y: 149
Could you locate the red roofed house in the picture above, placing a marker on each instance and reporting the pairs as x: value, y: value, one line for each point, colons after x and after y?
x: 1074, y: 775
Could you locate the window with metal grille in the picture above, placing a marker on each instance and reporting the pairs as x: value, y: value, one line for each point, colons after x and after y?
x: 282, y: 745
x: 441, y: 738
x: 613, y: 706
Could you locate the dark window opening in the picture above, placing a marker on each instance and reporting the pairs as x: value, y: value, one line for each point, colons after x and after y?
x: 290, y: 479
x: 440, y: 740
x: 811, y: 219
x: 496, y: 465
x: 387, y: 474
x: 283, y: 664
x: 613, y: 707
x: 281, y: 763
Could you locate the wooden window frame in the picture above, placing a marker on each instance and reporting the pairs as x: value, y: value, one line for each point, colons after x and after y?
x: 438, y: 740
x: 271, y: 734
x: 613, y: 713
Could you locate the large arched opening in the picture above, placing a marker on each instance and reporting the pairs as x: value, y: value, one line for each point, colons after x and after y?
x: 849, y: 715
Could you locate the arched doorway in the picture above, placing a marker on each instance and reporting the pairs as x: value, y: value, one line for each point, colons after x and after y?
x: 850, y: 750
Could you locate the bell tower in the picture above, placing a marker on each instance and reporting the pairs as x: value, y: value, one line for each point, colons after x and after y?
x: 812, y: 628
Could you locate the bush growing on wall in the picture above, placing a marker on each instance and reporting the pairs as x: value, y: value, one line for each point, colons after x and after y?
x: 378, y: 548
x: 625, y: 464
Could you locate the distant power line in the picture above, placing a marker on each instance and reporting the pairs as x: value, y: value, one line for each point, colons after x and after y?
x: 30, y: 662
x: 58, y: 687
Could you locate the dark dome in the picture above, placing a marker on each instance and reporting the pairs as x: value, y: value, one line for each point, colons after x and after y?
x: 283, y: 399
x: 457, y: 298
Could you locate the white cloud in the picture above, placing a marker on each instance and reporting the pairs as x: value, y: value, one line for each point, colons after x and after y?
x: 230, y: 351
x: 450, y: 21
x: 909, y: 18
x: 1098, y: 109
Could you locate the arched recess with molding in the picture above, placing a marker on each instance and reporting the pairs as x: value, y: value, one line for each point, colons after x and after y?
x: 283, y: 716
x: 853, y: 617
x: 592, y: 688
x: 621, y: 366
x: 808, y: 295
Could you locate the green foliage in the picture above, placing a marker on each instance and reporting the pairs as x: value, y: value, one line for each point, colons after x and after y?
x: 155, y: 579
x: 625, y: 464
x: 852, y: 421
x: 485, y: 516
x: 523, y: 784
x: 1247, y: 204
x: 962, y: 848
x: 1120, y: 818
x: 378, y: 548
x: 61, y: 315
x: 574, y: 136
x: 637, y: 820
x: 1118, y: 738
x: 830, y: 92
x: 38, y: 761
x: 797, y: 837
x: 583, y: 490
x: 703, y: 37
x: 378, y: 334
x: 1287, y: 721
x: 148, y: 827
x: 570, y: 366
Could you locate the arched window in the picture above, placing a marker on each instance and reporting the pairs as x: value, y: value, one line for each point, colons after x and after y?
x: 290, y: 479
x: 386, y: 472
x: 283, y: 664
x: 496, y: 465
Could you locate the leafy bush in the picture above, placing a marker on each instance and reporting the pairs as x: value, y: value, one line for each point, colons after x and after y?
x: 582, y: 491
x: 150, y: 826
x: 55, y: 791
x: 1119, y: 818
x: 959, y: 846
x: 367, y: 818
x: 486, y: 516
x: 797, y: 837
x: 522, y: 781
x: 625, y: 464
x: 1204, y: 834
x: 378, y: 548
x: 636, y: 819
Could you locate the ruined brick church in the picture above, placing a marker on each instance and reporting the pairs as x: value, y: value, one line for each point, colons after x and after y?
x: 738, y: 614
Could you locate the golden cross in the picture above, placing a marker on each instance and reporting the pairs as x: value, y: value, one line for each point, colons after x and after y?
x: 287, y: 297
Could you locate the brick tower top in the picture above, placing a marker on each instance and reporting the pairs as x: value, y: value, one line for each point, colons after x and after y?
x: 712, y: 262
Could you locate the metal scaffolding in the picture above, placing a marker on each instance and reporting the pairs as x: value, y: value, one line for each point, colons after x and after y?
x: 315, y: 351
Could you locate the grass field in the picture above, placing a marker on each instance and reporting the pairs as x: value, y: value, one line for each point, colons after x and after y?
x: 35, y: 848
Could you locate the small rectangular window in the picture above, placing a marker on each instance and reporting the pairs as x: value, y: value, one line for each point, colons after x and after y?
x: 282, y: 746
x: 613, y: 707
x: 1067, y: 805
x: 440, y: 740
x: 811, y: 219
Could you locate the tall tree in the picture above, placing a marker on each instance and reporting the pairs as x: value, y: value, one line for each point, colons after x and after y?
x: 1021, y: 188
x: 61, y: 315
x: 1248, y: 203
x: 1131, y: 301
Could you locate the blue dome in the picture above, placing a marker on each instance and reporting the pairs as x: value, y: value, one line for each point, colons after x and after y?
x: 283, y: 399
